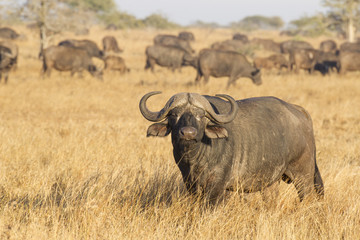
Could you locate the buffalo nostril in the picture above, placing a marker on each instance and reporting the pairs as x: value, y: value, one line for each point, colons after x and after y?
x: 188, y: 133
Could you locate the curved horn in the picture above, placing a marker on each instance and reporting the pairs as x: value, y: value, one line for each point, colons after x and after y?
x: 174, y: 101
x: 219, y: 118
x: 225, y: 118
x: 151, y: 116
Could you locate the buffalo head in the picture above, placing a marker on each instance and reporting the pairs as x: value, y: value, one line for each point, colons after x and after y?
x: 188, y: 116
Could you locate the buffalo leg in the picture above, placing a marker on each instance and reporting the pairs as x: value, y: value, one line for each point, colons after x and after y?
x: 305, y: 175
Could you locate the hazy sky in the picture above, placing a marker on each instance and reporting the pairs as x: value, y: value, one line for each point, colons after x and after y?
x: 220, y: 11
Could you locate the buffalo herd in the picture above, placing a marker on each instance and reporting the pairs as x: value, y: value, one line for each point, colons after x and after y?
x: 225, y: 58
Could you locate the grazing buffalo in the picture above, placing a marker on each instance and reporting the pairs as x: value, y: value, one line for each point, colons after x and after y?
x: 266, y: 44
x: 89, y: 46
x: 110, y: 46
x: 64, y: 58
x: 286, y: 46
x: 173, y: 41
x: 328, y: 46
x: 302, y: 59
x: 350, y: 47
x: 225, y: 64
x: 241, y: 37
x: 187, y: 36
x: 245, y: 145
x: 170, y: 57
x: 8, y: 33
x: 349, y: 61
x: 277, y: 61
x: 115, y: 63
x: 8, y: 59
x: 231, y: 45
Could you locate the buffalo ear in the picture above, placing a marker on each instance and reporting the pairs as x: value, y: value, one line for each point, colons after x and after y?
x: 216, y: 132
x: 158, y: 130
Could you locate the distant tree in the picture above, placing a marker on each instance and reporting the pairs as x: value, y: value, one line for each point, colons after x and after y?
x: 258, y: 22
x: 98, y: 6
x: 159, y: 21
x: 201, y: 24
x: 121, y: 20
x: 347, y: 11
x: 55, y: 16
x: 312, y: 26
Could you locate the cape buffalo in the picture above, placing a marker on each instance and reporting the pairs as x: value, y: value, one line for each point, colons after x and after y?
x: 231, y: 45
x: 240, y: 37
x: 286, y: 46
x: 173, y: 41
x: 350, y: 47
x: 187, y: 36
x: 328, y: 46
x: 302, y: 59
x: 88, y: 45
x: 218, y: 63
x: 245, y: 145
x: 110, y: 45
x: 277, y: 61
x: 8, y: 33
x: 166, y: 56
x: 266, y: 44
x: 69, y: 59
x: 8, y: 58
x: 349, y: 61
x: 115, y: 63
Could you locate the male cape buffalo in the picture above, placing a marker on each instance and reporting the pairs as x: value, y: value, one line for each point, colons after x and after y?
x: 219, y: 63
x: 69, y: 59
x: 245, y: 145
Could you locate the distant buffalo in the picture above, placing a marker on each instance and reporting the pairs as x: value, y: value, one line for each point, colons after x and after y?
x: 328, y: 46
x: 173, y: 41
x: 167, y: 56
x: 350, y: 47
x: 240, y: 37
x: 64, y: 58
x: 8, y: 58
x: 349, y: 61
x: 266, y: 44
x: 115, y: 63
x: 89, y: 46
x: 231, y: 45
x: 187, y: 36
x: 8, y: 33
x: 110, y: 46
x: 303, y: 59
x: 277, y: 61
x: 226, y: 64
x: 286, y: 46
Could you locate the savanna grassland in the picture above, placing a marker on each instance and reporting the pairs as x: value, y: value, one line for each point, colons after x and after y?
x: 75, y: 162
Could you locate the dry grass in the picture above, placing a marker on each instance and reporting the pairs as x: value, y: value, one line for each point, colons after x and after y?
x: 75, y: 162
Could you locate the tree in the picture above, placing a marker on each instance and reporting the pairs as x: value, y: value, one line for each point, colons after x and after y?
x: 55, y: 16
x: 158, y: 21
x: 258, y: 22
x: 312, y: 26
x: 348, y: 11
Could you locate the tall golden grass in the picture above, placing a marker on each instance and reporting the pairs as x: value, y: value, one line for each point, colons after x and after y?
x: 75, y: 162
